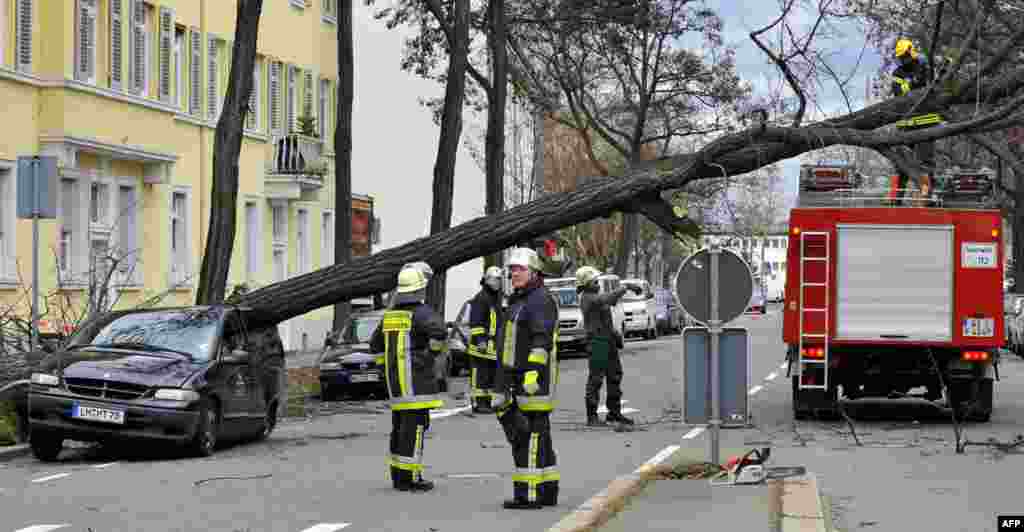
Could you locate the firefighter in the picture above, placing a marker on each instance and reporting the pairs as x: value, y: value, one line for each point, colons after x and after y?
x: 485, y: 314
x: 604, y: 343
x: 912, y: 73
x: 411, y: 335
x: 526, y: 381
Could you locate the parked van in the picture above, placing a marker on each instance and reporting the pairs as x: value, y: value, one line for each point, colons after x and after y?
x: 641, y: 310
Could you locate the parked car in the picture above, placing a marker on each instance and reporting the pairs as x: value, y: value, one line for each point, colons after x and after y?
x: 1013, y: 308
x: 668, y: 314
x: 348, y: 368
x: 188, y: 375
x: 571, y: 334
x: 758, y: 301
x: 458, y: 340
x: 641, y: 310
x: 610, y: 282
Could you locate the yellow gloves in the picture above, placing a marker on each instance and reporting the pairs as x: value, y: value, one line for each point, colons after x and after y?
x: 530, y: 382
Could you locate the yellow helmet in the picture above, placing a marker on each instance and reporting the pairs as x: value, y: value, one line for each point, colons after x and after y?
x: 905, y: 46
x: 586, y: 275
x: 525, y: 257
x: 411, y: 278
x: 493, y: 272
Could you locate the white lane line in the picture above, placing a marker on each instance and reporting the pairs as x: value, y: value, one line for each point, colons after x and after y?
x: 658, y: 458
x: 475, y: 475
x: 783, y: 365
x: 326, y: 527
x: 604, y: 410
x: 41, y: 528
x: 771, y: 376
x: 52, y: 477
x: 448, y: 412
x: 104, y: 466
x: 694, y: 432
x: 755, y: 389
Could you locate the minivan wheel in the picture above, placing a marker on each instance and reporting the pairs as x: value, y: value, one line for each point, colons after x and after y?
x: 46, y: 446
x: 205, y: 441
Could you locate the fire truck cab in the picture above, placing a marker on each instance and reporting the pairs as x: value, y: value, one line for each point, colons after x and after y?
x: 881, y: 300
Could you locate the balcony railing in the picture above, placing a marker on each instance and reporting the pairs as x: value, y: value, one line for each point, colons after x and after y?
x: 299, y: 157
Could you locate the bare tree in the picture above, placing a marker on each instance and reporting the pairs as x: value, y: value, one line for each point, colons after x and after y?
x: 227, y: 146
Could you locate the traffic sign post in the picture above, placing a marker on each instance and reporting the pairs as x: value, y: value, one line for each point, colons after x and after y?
x: 714, y: 286
x: 37, y: 198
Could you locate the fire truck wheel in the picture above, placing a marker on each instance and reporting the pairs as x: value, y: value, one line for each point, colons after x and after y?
x: 808, y: 404
x: 977, y: 409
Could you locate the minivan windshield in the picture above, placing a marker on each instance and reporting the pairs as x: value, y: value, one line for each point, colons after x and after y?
x: 567, y: 297
x: 361, y: 329
x: 189, y: 331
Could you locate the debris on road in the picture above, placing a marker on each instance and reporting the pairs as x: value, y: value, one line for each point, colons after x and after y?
x: 254, y: 477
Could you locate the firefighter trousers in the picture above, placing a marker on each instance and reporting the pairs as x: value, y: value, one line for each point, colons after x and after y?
x: 536, y: 476
x: 408, y: 430
x: 604, y: 364
x: 481, y: 380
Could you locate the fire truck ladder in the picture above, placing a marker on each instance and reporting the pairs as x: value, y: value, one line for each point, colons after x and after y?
x: 819, y: 241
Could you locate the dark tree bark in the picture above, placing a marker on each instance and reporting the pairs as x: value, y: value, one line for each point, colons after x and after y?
x: 227, y: 145
x: 494, y: 156
x: 343, y: 152
x: 448, y: 145
x: 638, y: 191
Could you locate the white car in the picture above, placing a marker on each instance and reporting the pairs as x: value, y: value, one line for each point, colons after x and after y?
x: 641, y: 310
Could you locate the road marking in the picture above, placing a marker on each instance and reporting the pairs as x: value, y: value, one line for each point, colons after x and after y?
x: 104, y: 466
x: 52, y: 477
x: 658, y: 458
x: 41, y: 528
x: 694, y: 432
x: 771, y: 376
x: 326, y: 527
x: 755, y: 389
x: 475, y: 475
x: 783, y: 365
x: 604, y: 410
x: 448, y: 412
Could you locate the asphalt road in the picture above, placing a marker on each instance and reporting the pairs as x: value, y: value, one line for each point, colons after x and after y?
x: 328, y: 472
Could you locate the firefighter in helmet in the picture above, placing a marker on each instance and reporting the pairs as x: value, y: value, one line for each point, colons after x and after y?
x: 485, y: 316
x: 526, y: 383
x: 411, y: 335
x: 914, y: 72
x: 604, y: 343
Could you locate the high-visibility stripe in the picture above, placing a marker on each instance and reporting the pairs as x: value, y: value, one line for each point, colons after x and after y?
x: 508, y: 353
x: 534, y: 457
x: 416, y: 402
x: 414, y: 468
x: 535, y: 403
x: 538, y: 355
x: 477, y: 331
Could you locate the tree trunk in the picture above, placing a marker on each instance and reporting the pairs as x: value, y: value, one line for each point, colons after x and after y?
x: 227, y: 145
x: 639, y: 190
x: 343, y: 152
x: 448, y: 144
x: 496, y: 102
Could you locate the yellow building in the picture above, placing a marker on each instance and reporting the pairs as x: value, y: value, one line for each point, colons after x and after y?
x: 126, y: 93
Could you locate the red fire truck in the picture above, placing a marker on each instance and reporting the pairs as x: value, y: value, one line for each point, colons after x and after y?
x: 882, y: 300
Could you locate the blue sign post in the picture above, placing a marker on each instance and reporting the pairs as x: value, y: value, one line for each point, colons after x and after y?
x: 37, y: 198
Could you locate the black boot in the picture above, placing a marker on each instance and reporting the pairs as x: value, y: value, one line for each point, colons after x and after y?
x: 592, y: 418
x: 415, y: 486
x: 616, y: 417
x: 519, y: 504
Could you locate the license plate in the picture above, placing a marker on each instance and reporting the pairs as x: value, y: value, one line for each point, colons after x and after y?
x: 366, y: 377
x: 979, y: 327
x: 93, y: 413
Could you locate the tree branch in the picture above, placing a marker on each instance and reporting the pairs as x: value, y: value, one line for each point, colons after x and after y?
x: 783, y: 66
x: 662, y: 214
x: 438, y: 11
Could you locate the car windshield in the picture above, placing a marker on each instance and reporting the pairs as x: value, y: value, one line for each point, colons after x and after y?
x: 567, y: 297
x: 189, y: 331
x: 361, y: 329
x: 631, y: 295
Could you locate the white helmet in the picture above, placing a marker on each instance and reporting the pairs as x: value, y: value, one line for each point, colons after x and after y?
x: 525, y: 257
x: 586, y: 275
x: 413, y: 278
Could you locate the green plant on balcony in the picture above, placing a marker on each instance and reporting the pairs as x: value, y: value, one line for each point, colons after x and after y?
x: 307, y: 126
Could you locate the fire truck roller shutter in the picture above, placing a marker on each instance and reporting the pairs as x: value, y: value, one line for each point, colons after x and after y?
x: 894, y: 282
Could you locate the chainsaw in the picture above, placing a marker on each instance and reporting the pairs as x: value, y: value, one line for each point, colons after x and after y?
x: 748, y: 469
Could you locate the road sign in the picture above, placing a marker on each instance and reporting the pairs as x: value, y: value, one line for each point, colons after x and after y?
x: 735, y: 285
x: 733, y: 376
x: 37, y: 187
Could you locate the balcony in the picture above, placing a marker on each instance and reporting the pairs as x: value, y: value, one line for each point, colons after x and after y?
x: 296, y: 165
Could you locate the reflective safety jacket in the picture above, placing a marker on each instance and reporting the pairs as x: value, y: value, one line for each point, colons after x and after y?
x: 411, y: 337
x: 485, y: 316
x: 528, y: 351
x: 910, y: 77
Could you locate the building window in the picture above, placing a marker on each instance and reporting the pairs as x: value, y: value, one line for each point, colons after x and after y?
x: 179, y: 238
x: 279, y: 265
x: 213, y: 68
x: 279, y: 224
x: 99, y: 203
x: 195, y: 81
x: 323, y: 110
x: 292, y: 93
x: 8, y: 251
x: 141, y: 33
x: 116, y: 46
x: 69, y: 234
x: 179, y: 68
x: 330, y: 11
x: 327, y: 239
x: 301, y: 4
x: 23, y: 25
x: 274, y: 100
x: 127, y: 234
x: 85, y: 41
x: 302, y: 235
x: 307, y: 94
x: 252, y: 118
x: 167, y: 76
x: 253, y: 246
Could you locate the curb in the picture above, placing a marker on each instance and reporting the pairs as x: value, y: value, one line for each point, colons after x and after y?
x: 609, y: 502
x: 800, y: 507
x: 14, y: 451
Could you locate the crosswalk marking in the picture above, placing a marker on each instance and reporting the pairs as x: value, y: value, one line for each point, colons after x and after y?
x: 755, y: 389
x: 326, y: 527
x: 448, y: 412
x: 52, y: 477
x: 771, y: 376
x: 104, y: 466
x: 41, y: 528
x: 694, y: 432
x: 603, y: 409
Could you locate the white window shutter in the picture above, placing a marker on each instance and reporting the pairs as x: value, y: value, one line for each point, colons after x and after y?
x: 116, y: 43
x: 166, y: 43
x: 290, y: 113
x: 252, y: 118
x: 274, y: 97
x: 195, y: 85
x: 138, y: 13
x: 86, y: 43
x: 211, y: 83
x: 321, y: 119
x: 24, y: 31
x: 307, y: 97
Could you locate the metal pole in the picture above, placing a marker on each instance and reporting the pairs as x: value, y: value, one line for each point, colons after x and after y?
x: 35, y: 254
x: 715, y: 327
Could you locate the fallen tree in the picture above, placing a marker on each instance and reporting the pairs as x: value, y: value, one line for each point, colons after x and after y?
x: 638, y: 192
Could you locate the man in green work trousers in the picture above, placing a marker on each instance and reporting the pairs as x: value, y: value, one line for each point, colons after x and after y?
x: 604, y: 343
